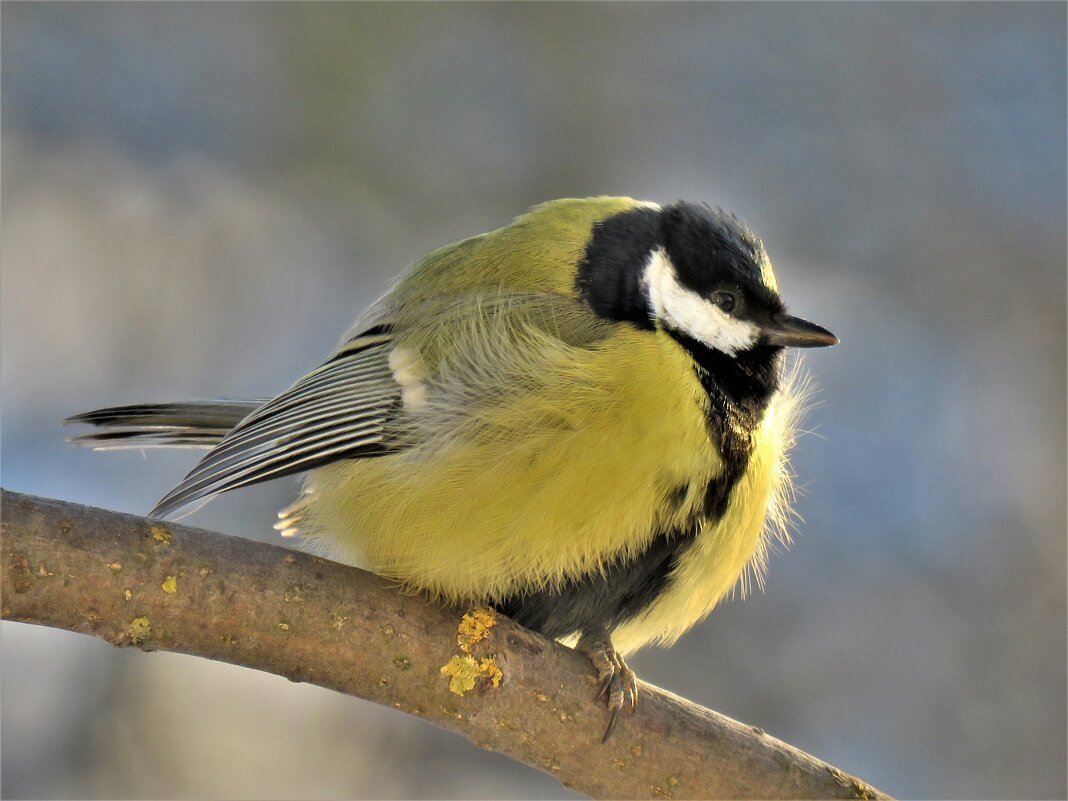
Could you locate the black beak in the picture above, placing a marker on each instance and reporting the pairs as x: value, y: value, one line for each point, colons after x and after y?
x: 793, y: 332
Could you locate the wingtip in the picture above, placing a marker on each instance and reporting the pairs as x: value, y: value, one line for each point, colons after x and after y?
x: 94, y: 441
x: 171, y: 502
x: 163, y: 508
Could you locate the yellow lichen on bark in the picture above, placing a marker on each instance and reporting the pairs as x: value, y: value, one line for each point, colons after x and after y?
x: 463, y: 671
x: 475, y: 626
x: 139, y: 629
x: 488, y: 670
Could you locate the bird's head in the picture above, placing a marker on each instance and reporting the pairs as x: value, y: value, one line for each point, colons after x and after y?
x: 695, y: 271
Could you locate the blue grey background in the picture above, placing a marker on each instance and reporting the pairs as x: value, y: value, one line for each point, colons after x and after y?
x: 199, y: 198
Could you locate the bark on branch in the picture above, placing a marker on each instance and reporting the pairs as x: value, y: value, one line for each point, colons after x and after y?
x: 159, y: 586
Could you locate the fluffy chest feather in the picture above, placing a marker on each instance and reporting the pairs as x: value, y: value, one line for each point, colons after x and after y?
x: 596, y: 458
x: 731, y: 549
x: 519, y: 492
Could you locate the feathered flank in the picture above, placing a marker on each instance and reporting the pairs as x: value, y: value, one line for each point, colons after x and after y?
x: 509, y: 442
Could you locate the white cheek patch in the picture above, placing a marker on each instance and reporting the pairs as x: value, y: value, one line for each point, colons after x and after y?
x: 406, y: 372
x: 688, y: 313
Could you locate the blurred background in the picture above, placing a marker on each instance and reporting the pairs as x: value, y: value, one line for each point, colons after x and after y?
x: 199, y: 198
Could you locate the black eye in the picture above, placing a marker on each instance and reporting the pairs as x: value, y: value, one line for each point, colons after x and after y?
x: 725, y: 301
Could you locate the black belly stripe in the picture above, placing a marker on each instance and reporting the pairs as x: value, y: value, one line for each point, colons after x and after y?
x: 599, y: 601
x: 738, y: 393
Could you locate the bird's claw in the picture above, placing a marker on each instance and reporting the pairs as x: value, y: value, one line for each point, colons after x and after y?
x: 617, y: 681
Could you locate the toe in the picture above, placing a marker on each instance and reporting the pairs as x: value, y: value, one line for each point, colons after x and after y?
x: 628, y: 680
x: 613, y: 718
x: 616, y: 680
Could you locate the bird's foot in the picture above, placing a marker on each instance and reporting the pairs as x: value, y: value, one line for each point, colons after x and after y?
x: 618, y: 681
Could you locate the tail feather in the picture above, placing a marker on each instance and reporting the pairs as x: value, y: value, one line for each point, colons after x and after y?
x: 185, y: 424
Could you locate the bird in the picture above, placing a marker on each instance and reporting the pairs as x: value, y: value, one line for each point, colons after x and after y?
x: 581, y: 419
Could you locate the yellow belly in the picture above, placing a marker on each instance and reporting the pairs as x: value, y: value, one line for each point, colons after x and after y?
x: 482, y: 520
x: 726, y: 549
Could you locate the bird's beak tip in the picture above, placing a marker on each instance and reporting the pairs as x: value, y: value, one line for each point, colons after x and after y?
x: 793, y: 332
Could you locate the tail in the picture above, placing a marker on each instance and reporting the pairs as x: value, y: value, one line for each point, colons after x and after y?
x: 186, y: 424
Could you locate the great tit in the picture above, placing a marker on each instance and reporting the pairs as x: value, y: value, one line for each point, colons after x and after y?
x: 580, y: 419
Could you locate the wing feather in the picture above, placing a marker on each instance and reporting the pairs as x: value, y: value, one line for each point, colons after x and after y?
x: 473, y: 353
x: 337, y: 411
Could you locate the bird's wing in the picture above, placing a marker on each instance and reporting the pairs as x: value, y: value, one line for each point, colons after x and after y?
x: 337, y: 411
x: 411, y: 379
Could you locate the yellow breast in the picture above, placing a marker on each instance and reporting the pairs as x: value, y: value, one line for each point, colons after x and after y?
x: 570, y: 480
x: 725, y: 549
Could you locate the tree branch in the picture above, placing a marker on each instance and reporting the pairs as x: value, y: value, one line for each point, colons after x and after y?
x: 159, y: 586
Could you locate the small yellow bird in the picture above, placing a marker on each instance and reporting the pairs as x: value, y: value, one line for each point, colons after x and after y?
x: 580, y: 419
